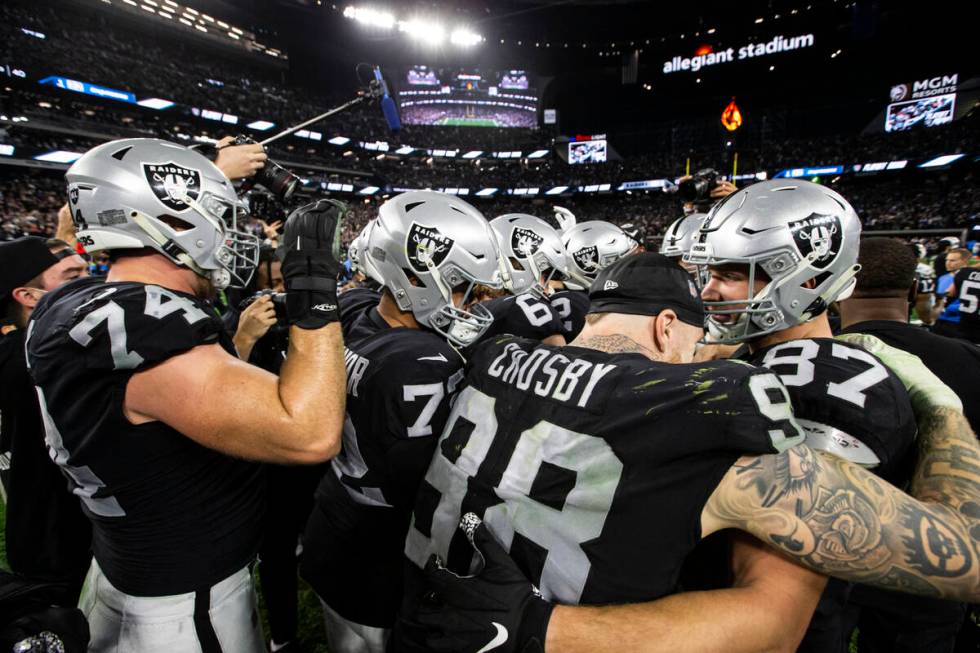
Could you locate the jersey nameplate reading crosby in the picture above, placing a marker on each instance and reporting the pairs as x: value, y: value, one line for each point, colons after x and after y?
x: 556, y: 375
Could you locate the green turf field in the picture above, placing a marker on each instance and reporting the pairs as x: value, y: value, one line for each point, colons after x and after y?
x: 467, y: 122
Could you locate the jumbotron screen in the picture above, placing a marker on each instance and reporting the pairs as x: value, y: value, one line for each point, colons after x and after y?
x: 927, y: 112
x: 587, y: 151
x: 463, y: 97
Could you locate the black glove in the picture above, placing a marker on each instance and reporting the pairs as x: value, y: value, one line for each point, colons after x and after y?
x: 310, y: 255
x: 496, y: 610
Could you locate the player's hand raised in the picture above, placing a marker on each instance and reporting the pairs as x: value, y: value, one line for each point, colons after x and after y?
x: 310, y: 255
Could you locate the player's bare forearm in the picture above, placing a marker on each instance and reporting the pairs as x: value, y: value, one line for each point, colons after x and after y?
x: 948, y: 470
x: 769, y: 609
x: 840, y: 520
x: 722, y: 621
x: 312, y: 383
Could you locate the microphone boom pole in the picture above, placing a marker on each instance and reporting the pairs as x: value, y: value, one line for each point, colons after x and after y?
x: 326, y: 114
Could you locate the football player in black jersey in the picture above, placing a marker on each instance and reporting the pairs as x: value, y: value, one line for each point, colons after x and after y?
x: 599, y: 467
x: 777, y: 254
x: 432, y: 250
x: 966, y: 288
x: 150, y: 414
x: 533, y: 254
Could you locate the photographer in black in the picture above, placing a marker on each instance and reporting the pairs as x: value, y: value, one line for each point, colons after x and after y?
x: 262, y: 338
x: 48, y: 537
x: 701, y: 190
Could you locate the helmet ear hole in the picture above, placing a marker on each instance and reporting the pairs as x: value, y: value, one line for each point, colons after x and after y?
x: 175, y: 223
x: 516, y: 264
x: 816, y: 281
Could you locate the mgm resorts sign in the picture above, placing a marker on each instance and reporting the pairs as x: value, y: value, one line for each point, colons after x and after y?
x: 749, y: 51
x: 924, y: 88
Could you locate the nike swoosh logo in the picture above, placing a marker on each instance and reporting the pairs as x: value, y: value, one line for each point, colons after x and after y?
x: 440, y: 357
x: 498, y: 640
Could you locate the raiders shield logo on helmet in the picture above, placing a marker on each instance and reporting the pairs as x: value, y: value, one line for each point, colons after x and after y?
x: 587, y: 258
x: 425, y: 246
x: 524, y: 242
x: 171, y: 183
x: 818, y: 238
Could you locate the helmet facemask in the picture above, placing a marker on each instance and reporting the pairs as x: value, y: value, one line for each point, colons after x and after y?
x: 460, y: 323
x: 234, y: 260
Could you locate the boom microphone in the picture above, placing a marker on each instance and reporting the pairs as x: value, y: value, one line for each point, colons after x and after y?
x: 388, y: 106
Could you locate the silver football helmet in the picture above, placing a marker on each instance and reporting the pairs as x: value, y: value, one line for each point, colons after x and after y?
x: 532, y: 251
x: 359, y: 248
x: 680, y: 234
x: 792, y: 232
x: 426, y: 245
x: 592, y: 246
x: 145, y: 192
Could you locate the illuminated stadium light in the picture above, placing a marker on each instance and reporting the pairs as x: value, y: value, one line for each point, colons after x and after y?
x: 190, y: 11
x: 202, y: 28
x: 472, y: 154
x: 368, y: 190
x: 537, y: 154
x: 155, y: 103
x: 233, y: 35
x: 941, y: 160
x: 6, y: 150
x: 58, y: 156
x: 186, y: 22
x: 261, y: 125
x: 423, y: 30
x: 339, y: 140
x: 313, y: 136
x: 405, y: 149
x: 897, y: 165
x: 223, y: 24
x: 465, y: 37
x: 487, y: 192
x: 557, y: 190
x: 371, y: 17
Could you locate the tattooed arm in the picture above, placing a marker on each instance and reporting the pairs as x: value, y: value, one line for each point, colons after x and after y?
x: 840, y: 520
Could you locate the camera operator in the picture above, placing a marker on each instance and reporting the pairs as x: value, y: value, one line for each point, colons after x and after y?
x: 149, y: 412
x: 262, y: 338
x: 239, y: 161
x: 701, y: 190
x: 47, y: 536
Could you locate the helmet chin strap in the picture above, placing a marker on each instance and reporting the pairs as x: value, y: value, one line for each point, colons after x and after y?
x: 172, y: 249
x: 826, y: 297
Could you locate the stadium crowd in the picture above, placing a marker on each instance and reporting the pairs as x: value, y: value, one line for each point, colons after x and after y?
x: 29, y: 203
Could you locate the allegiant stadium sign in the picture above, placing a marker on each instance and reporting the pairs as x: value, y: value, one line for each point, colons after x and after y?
x: 775, y: 46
